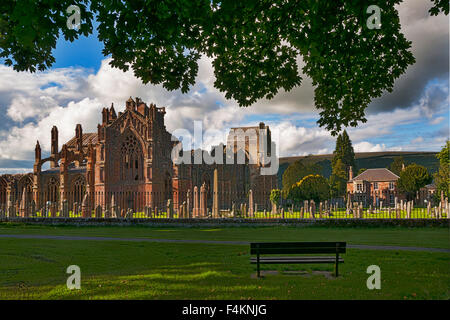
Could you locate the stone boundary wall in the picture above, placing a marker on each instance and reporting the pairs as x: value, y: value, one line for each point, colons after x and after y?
x: 232, y: 222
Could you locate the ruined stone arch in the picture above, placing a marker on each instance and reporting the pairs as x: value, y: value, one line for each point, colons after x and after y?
x: 25, y: 183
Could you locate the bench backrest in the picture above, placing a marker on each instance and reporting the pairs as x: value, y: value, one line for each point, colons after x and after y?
x: 297, y: 247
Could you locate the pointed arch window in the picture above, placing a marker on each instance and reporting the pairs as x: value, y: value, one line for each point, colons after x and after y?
x: 79, y: 188
x: 132, y: 166
x: 52, y: 190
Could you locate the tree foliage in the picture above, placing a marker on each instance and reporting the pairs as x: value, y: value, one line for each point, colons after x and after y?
x: 361, y: 171
x: 442, y: 177
x: 275, y: 196
x: 255, y: 45
x: 397, y: 165
x: 412, y: 179
x: 344, y: 152
x: 439, y: 6
x: 311, y: 187
x: 338, y: 180
x: 294, y: 173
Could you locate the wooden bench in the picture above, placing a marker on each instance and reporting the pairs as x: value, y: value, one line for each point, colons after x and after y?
x: 269, y: 248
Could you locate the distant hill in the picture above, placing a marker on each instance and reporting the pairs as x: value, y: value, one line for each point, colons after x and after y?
x: 366, y: 160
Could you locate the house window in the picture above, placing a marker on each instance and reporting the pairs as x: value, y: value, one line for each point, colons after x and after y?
x: 359, y: 187
x: 391, y: 185
x: 375, y: 185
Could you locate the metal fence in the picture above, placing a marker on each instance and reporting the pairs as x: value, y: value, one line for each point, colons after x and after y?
x: 308, y: 210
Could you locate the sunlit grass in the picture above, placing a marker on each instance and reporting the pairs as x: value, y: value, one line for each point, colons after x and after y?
x: 437, y: 237
x: 32, y: 269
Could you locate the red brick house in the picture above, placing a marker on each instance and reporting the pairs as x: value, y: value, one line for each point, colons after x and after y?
x: 373, y: 186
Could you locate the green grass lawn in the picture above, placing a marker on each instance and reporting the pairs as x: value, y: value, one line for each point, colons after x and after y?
x: 36, y: 268
x: 32, y: 269
x: 420, y: 237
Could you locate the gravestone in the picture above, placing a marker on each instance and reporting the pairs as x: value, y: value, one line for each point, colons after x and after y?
x: 320, y: 210
x: 114, y: 211
x: 188, y: 204
x: 274, y: 208
x: 250, y: 203
x: 33, y: 208
x: 75, y: 209
x: 313, y: 208
x: 65, y: 208
x: 85, y: 208
x: 48, y: 207
x: 98, y: 212
x: 129, y: 213
x: 184, y: 210
x: 195, y: 210
x: 203, y: 199
x: 216, y: 194
x: 169, y: 208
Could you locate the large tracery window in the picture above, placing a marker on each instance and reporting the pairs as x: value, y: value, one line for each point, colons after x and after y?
x: 79, y: 188
x: 132, y: 160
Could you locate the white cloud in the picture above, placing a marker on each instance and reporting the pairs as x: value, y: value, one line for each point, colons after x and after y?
x: 20, y: 141
x: 293, y: 140
x: 366, y: 146
x: 437, y: 120
x: 417, y: 140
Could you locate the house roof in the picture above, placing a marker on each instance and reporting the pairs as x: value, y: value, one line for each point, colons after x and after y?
x: 87, y: 137
x: 379, y: 174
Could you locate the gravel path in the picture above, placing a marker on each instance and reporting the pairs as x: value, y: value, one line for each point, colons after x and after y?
x: 354, y: 246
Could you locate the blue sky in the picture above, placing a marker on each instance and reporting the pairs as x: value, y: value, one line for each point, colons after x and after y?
x: 414, y: 117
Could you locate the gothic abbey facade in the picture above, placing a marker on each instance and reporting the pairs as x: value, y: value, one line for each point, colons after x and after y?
x: 129, y: 160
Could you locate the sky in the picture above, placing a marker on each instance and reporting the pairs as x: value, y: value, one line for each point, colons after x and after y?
x: 414, y: 117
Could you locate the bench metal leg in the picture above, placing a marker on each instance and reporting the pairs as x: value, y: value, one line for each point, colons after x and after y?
x: 257, y: 264
x: 337, y: 264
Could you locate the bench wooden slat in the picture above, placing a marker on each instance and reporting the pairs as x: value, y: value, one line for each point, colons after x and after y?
x: 295, y: 257
x: 305, y: 244
x: 296, y: 261
x: 290, y: 250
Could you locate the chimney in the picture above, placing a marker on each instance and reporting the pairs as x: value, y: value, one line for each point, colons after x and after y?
x: 350, y: 173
